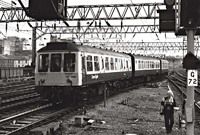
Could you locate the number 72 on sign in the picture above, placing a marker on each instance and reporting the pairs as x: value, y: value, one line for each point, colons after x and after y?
x: 192, y: 76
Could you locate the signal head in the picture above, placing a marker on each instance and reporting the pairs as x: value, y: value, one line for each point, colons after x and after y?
x: 169, y: 3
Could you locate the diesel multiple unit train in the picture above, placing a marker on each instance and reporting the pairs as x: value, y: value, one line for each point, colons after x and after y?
x: 65, y: 69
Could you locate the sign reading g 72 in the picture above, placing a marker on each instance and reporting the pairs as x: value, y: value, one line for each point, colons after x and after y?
x: 192, y: 76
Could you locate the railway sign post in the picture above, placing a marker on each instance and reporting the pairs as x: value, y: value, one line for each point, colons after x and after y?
x: 191, y: 63
x: 192, y: 76
x: 189, y: 107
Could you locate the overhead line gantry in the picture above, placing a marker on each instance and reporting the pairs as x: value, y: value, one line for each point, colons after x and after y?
x: 91, y: 12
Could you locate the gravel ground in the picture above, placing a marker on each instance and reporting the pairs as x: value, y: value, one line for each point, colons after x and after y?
x: 133, y: 112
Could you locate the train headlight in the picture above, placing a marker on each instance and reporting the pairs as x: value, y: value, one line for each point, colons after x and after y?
x: 69, y: 80
x: 42, y: 80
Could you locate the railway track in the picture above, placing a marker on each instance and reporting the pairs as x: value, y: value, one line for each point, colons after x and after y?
x: 20, y: 124
x: 15, y: 124
x: 17, y: 94
x: 16, y: 98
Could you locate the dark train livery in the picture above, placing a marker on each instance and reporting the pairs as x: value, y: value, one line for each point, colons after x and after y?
x: 65, y: 68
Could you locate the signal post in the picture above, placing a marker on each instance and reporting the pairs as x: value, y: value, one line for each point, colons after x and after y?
x: 189, y: 107
x: 191, y: 64
x: 190, y: 20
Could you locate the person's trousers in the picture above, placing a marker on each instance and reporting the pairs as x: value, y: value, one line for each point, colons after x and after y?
x: 169, y: 122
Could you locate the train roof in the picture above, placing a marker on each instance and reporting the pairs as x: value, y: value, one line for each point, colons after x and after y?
x: 73, y: 47
x: 164, y: 60
x: 136, y: 56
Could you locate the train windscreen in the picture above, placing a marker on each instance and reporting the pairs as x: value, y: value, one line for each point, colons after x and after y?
x: 43, y: 64
x: 55, y: 62
x: 69, y: 62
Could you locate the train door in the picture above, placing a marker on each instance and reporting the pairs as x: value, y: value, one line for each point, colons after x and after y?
x: 134, y: 62
x: 102, y: 64
x: 83, y: 61
x: 161, y: 66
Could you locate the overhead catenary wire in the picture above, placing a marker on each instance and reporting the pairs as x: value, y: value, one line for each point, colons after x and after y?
x: 144, y: 24
x: 5, y: 4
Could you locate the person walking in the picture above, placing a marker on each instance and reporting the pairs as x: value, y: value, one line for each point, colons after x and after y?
x: 168, y: 103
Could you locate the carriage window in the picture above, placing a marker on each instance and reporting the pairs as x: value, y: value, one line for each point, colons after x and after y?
x: 130, y: 66
x: 55, y: 62
x: 153, y: 65
x: 69, y: 62
x: 116, y: 63
x: 150, y: 64
x: 107, y: 63
x: 119, y: 64
x: 96, y: 63
x: 140, y: 64
x: 111, y: 64
x: 102, y: 61
x: 122, y: 64
x: 43, y: 63
x: 89, y: 63
x: 126, y: 63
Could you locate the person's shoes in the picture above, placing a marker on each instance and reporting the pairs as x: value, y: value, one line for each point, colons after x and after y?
x: 168, y: 132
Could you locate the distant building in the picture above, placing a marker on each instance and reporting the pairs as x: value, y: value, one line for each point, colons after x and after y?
x: 23, y: 53
x: 6, y: 61
x: 22, y: 61
x: 14, y: 61
x: 11, y: 45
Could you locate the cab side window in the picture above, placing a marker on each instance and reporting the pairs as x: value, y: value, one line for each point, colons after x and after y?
x: 43, y: 63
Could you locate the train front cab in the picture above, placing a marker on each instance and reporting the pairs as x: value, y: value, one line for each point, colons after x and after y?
x: 57, y: 71
x: 92, y: 70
